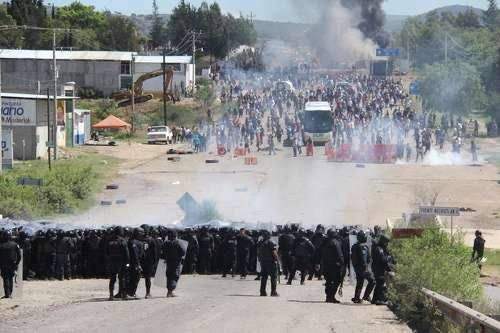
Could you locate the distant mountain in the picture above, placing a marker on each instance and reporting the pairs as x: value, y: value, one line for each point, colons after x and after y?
x: 291, y: 30
x: 455, y: 10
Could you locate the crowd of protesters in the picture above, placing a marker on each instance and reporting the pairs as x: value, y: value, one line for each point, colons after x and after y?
x: 265, y: 111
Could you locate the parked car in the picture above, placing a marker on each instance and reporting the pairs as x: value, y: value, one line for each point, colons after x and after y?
x: 159, y: 134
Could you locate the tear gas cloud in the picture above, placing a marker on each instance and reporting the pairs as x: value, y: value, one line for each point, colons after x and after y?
x: 344, y: 31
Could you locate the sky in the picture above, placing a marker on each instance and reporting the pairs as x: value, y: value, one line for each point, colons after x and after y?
x: 276, y: 10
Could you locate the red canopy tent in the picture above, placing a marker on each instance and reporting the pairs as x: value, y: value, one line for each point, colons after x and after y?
x: 113, y: 123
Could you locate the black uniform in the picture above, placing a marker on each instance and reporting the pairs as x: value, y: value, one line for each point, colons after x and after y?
x: 266, y: 251
x: 117, y: 259
x: 286, y: 243
x: 332, y: 262
x: 64, y: 247
x: 360, y: 256
x: 478, y: 249
x: 10, y: 257
x: 229, y: 255
x: 244, y: 245
x: 380, y: 266
x: 302, y: 254
x: 173, y: 253
x: 192, y: 253
x: 136, y: 251
x: 317, y: 240
x: 206, y: 250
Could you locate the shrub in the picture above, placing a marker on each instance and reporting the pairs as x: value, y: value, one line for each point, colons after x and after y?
x: 436, y: 263
x: 67, y: 187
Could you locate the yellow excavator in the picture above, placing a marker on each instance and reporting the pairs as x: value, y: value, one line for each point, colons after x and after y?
x: 124, y: 97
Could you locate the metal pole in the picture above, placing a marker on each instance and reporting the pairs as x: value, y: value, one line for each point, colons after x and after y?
x: 451, y: 227
x: 446, y: 48
x: 55, y: 92
x: 164, y: 67
x: 1, y: 115
x: 132, y: 71
x: 194, y: 61
x: 48, y: 128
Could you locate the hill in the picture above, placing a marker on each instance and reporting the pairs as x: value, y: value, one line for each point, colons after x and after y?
x: 293, y: 30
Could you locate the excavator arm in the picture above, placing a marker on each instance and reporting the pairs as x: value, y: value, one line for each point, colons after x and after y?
x: 125, y: 97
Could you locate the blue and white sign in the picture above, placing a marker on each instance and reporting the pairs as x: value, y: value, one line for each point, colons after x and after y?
x: 18, y: 112
x: 415, y: 88
x: 7, y: 149
x: 390, y: 52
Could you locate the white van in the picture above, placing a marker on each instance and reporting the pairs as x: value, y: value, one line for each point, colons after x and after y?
x: 161, y: 134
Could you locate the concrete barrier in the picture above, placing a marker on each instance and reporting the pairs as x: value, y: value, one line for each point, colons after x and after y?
x: 468, y: 319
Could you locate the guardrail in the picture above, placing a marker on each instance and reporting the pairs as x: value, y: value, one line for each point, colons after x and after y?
x: 462, y: 315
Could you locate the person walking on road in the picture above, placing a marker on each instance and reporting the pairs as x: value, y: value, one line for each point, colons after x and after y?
x: 174, y: 252
x: 332, y: 262
x: 268, y: 257
x: 360, y: 256
x: 10, y: 257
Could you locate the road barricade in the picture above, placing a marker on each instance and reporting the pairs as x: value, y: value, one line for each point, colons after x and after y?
x: 240, y: 152
x: 250, y: 160
x: 364, y: 154
x: 221, y: 150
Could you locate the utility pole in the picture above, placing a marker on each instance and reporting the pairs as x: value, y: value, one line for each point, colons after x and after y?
x: 408, y: 49
x: 55, y: 92
x: 1, y: 115
x: 48, y: 128
x: 194, y: 61
x: 164, y: 67
x: 132, y: 71
x: 446, y: 48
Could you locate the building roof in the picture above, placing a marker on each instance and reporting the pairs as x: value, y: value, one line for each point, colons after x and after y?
x: 89, y: 56
x: 159, y: 59
x: 33, y: 96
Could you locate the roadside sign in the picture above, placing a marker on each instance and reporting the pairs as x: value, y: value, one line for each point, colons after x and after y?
x: 25, y: 181
x: 7, y: 153
x: 389, y: 52
x: 441, y: 211
x: 415, y: 88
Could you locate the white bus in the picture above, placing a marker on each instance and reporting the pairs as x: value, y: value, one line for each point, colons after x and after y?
x: 317, y: 121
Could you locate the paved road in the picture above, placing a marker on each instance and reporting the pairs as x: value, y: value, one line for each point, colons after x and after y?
x: 209, y: 304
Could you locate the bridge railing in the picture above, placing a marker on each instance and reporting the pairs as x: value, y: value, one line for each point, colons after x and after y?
x: 471, y: 320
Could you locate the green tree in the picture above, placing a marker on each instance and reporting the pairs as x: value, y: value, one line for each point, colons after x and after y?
x: 205, y: 95
x: 157, y: 34
x: 12, y: 38
x: 491, y: 15
x: 79, y: 16
x: 119, y: 33
x: 182, y: 21
x: 30, y: 13
x: 455, y: 87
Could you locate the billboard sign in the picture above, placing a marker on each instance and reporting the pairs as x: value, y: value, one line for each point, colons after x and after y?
x: 18, y: 112
x: 389, y: 52
x: 7, y: 149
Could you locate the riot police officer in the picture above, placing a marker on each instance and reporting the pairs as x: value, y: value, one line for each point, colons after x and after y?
x: 332, y: 262
x: 229, y: 254
x: 10, y: 257
x: 174, y: 252
x: 380, y: 266
x: 117, y: 260
x: 268, y: 257
x: 360, y: 256
x: 302, y: 254
x: 136, y: 251
x: 243, y: 247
